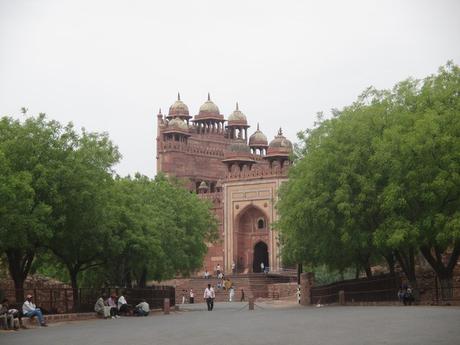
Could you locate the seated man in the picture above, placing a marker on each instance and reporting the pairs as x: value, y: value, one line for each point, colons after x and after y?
x: 123, y: 306
x: 142, y: 309
x: 30, y: 310
x: 101, y: 309
x: 112, y: 303
x: 4, y: 317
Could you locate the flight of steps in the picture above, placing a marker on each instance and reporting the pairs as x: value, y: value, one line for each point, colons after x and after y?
x: 253, y: 284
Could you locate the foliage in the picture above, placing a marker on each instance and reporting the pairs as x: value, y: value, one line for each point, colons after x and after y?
x: 59, y: 200
x: 380, y: 179
x: 28, y: 157
x: 161, y: 227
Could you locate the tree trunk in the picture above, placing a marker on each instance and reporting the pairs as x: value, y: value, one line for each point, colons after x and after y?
x: 19, y: 266
x: 368, y: 271
x: 143, y: 279
x: 73, y: 273
x: 390, y: 259
x: 128, y: 281
x: 443, y: 272
x: 447, y: 287
x: 407, y: 263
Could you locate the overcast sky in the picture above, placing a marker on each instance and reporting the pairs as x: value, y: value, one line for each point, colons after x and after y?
x: 109, y: 65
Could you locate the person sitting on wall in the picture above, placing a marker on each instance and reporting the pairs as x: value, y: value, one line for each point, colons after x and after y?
x: 102, y: 309
x: 8, y: 315
x: 112, y: 303
x: 142, y: 309
x: 408, y: 297
x: 30, y: 310
x: 206, y: 274
x: 123, y: 306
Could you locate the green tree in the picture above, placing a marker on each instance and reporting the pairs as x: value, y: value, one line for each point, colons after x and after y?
x: 29, y: 152
x: 81, y: 232
x: 161, y: 230
x: 421, y: 153
x: 380, y: 178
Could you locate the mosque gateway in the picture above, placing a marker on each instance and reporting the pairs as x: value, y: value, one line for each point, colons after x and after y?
x: 239, y: 174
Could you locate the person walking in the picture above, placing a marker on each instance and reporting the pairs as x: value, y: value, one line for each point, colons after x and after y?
x: 231, y: 294
x: 209, y: 296
x: 242, y: 295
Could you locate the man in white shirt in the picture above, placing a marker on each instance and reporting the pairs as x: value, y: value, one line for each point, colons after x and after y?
x: 30, y: 310
x: 123, y: 306
x: 209, y: 296
x: 142, y: 309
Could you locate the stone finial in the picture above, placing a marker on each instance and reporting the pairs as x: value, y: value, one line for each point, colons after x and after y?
x: 280, y: 131
x: 257, y: 126
x: 178, y: 96
x: 237, y: 108
x: 209, y: 96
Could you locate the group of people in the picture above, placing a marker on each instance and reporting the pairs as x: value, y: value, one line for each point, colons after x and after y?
x: 115, y: 306
x: 12, y: 317
x: 405, y: 295
x: 191, y: 298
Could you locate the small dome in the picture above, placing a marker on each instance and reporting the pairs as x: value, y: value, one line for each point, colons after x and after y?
x: 237, y: 117
x: 203, y: 186
x: 177, y: 123
x: 179, y: 108
x: 258, y: 138
x: 209, y: 110
x: 280, y: 145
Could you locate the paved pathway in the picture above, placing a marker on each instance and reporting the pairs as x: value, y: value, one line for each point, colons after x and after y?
x: 232, y: 323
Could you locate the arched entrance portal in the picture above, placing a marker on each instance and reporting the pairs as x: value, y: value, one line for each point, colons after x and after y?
x: 251, y: 227
x: 260, y: 255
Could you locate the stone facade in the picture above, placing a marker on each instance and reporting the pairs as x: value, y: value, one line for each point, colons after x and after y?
x: 240, y: 175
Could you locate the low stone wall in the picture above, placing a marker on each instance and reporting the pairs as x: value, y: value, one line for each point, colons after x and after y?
x: 282, y: 290
x: 31, y: 322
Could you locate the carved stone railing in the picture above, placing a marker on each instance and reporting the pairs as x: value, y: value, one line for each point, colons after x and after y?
x: 257, y: 173
x: 191, y: 148
x: 215, y: 197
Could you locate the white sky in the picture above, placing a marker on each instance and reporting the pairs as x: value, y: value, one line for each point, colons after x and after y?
x: 109, y: 65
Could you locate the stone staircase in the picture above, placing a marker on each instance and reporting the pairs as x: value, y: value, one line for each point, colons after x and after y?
x: 253, y: 284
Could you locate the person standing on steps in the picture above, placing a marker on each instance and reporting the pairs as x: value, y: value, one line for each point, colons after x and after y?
x: 242, y: 295
x: 209, y: 296
x: 262, y: 267
x: 192, y: 297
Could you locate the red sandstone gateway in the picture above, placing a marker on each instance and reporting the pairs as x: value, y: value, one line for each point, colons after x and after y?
x: 240, y: 175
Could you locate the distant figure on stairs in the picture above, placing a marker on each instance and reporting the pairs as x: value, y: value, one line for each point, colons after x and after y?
x: 242, y: 295
x: 192, y: 297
